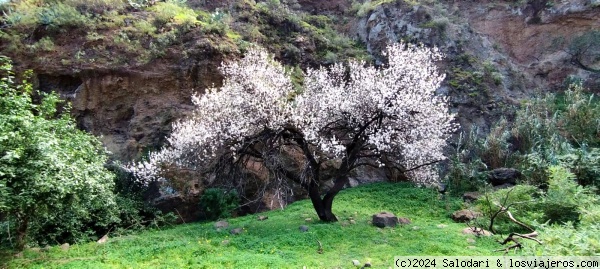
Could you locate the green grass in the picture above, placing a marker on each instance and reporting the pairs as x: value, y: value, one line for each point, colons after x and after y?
x: 277, y: 241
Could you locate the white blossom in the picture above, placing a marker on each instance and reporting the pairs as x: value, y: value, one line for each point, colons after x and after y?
x: 393, y: 110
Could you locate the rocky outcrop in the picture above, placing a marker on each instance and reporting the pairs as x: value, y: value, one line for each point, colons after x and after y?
x: 385, y: 219
x: 538, y: 37
x: 503, y: 50
x: 503, y: 176
x: 465, y: 215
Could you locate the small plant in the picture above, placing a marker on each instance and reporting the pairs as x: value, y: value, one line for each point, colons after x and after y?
x: 217, y: 203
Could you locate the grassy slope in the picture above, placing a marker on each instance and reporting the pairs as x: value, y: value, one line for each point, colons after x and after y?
x: 277, y: 242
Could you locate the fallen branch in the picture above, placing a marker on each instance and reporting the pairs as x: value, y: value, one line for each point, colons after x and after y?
x: 511, y: 237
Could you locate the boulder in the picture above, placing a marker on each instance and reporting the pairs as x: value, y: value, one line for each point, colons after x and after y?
x: 385, y: 219
x: 303, y: 228
x: 103, y: 240
x: 476, y: 231
x: 471, y: 196
x: 355, y: 263
x: 465, y: 215
x: 221, y: 224
x: 404, y: 221
x: 236, y: 231
x: 503, y: 176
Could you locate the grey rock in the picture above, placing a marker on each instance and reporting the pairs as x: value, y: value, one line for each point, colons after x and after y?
x: 465, y: 215
x: 355, y: 263
x: 65, y: 246
x: 404, y: 221
x: 471, y: 196
x: 261, y: 218
x: 221, y: 224
x: 442, y: 226
x: 476, y: 231
x: 236, y: 231
x: 385, y: 219
x: 303, y: 228
x: 502, y: 176
x: 103, y: 240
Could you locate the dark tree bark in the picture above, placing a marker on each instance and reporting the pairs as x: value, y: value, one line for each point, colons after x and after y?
x: 23, y: 226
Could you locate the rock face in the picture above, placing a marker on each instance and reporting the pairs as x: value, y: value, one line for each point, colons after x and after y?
x: 503, y: 176
x: 465, y: 215
x: 523, y: 46
x: 385, y: 219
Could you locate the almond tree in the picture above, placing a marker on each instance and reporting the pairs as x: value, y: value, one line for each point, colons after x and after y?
x: 352, y: 114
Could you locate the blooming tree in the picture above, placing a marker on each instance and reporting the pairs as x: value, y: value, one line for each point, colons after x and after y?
x: 354, y: 114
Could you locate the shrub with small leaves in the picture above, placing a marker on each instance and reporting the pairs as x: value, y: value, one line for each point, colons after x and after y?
x: 51, y: 173
x: 217, y: 203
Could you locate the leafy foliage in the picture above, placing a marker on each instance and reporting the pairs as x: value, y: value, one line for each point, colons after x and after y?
x: 217, y: 203
x: 521, y: 201
x: 29, y: 14
x: 51, y: 173
x: 565, y: 215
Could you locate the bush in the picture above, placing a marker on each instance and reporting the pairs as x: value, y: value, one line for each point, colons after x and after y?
x: 52, y: 177
x: 217, y: 203
x: 29, y: 14
x: 565, y: 199
x: 175, y: 13
x: 564, y: 203
x: 521, y: 201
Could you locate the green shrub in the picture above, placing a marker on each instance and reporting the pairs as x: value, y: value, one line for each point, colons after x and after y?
x: 29, y: 14
x: 217, y: 203
x: 51, y: 173
x: 565, y: 198
x: 466, y: 170
x: 522, y: 201
x: 174, y: 13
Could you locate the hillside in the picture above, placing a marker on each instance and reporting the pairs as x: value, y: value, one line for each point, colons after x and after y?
x: 277, y: 241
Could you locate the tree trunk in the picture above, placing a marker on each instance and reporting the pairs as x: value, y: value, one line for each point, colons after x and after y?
x: 23, y: 225
x: 323, y: 206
